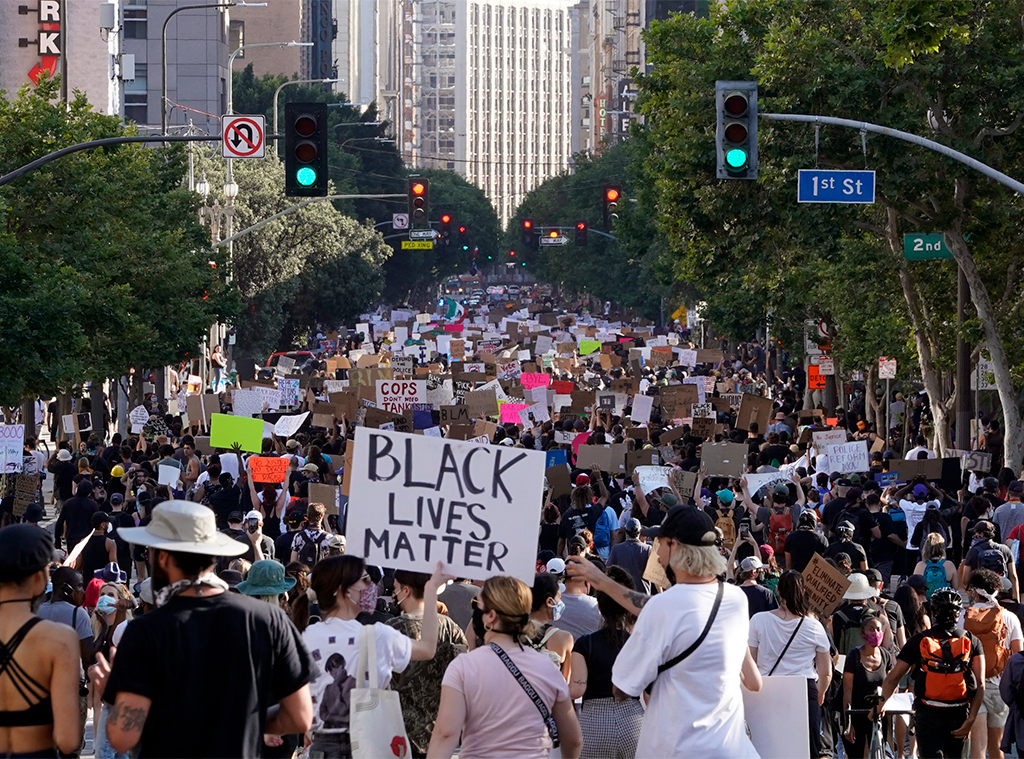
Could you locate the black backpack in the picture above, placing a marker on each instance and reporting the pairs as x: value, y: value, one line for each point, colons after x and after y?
x: 311, y: 546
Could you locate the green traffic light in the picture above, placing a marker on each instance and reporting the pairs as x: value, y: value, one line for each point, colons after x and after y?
x: 736, y: 158
x: 305, y: 176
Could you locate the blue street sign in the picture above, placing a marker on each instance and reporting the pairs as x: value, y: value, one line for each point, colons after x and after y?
x: 822, y: 186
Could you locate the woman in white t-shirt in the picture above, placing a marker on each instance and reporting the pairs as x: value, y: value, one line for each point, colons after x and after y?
x: 344, y: 590
x: 789, y: 641
x: 482, y: 699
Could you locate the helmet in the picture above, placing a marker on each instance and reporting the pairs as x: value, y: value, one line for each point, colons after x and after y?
x: 117, y: 471
x: 946, y: 606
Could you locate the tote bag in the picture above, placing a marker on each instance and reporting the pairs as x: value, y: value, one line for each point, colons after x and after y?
x: 376, y: 727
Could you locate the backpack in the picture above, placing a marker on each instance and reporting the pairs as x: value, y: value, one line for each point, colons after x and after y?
x: 310, y: 550
x: 602, y: 528
x: 944, y: 674
x: 779, y: 528
x: 728, y: 528
x: 935, y: 575
x: 849, y: 636
x: 990, y: 628
x: 992, y: 558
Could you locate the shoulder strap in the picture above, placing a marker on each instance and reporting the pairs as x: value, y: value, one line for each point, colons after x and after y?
x: 547, y: 634
x: 788, y: 642
x: 525, y: 685
x: 704, y: 633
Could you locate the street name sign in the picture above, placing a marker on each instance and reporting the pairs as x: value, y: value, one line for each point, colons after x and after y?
x: 825, y: 186
x: 921, y: 247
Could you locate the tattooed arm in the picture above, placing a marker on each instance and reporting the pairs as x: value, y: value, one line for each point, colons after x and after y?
x: 628, y: 599
x: 126, y: 719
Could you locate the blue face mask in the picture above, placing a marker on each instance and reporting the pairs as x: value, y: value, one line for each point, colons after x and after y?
x: 106, y: 605
x: 557, y: 610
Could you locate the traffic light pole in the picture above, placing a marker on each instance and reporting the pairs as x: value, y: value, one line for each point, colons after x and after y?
x: 963, y: 370
x: 296, y: 207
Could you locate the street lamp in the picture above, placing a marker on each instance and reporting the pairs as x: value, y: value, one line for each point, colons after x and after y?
x: 297, y: 81
x: 231, y: 59
x: 163, y: 48
x: 214, y: 213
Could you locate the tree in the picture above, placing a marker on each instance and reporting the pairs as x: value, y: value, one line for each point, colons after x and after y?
x: 310, y: 268
x: 944, y: 69
x: 104, y: 263
x: 616, y: 270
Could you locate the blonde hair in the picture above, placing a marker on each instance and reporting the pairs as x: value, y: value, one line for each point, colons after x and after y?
x: 699, y: 561
x: 511, y: 599
x: 241, y: 566
x: 933, y: 547
x: 122, y: 594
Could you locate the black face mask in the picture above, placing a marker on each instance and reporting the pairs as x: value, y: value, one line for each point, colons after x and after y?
x: 478, y: 623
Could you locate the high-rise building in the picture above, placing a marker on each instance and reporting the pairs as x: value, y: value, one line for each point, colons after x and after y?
x: 483, y: 87
x: 61, y: 37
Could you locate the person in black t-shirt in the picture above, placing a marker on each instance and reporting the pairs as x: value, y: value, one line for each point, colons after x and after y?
x: 759, y: 598
x: 891, y: 538
x: 845, y: 544
x: 181, y: 654
x: 804, y: 542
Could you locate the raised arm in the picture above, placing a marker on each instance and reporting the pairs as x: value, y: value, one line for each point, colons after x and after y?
x: 631, y: 600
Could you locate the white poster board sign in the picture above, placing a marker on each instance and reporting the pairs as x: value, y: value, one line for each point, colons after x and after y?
x: 138, y: 417
x: 416, y: 500
x: 778, y: 730
x: 849, y: 457
x: 653, y: 477
x: 824, y: 438
x: 12, y: 438
x: 395, y: 396
x: 287, y: 426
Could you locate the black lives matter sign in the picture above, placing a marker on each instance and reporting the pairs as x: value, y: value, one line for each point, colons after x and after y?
x: 416, y: 500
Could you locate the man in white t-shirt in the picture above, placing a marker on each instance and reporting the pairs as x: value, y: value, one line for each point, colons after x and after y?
x: 921, y: 495
x: 996, y: 627
x: 706, y: 684
x: 920, y: 446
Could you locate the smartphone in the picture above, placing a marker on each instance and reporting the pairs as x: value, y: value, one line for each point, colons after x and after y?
x: 253, y: 526
x: 744, y: 531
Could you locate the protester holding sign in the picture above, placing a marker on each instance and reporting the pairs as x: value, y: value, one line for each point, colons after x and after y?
x: 344, y: 589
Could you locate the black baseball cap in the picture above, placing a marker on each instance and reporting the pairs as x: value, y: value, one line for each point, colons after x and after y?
x: 24, y: 550
x: 688, y: 525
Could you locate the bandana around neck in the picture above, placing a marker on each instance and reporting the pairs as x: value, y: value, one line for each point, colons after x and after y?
x: 208, y: 580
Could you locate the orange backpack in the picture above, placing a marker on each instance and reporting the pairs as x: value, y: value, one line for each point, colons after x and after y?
x: 945, y: 671
x: 779, y: 528
x: 988, y: 625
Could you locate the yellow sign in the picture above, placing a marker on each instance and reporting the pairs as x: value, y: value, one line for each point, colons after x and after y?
x: 680, y: 313
x: 417, y: 244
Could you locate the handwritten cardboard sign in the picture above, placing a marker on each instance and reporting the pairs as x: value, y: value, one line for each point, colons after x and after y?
x: 850, y: 457
x: 417, y: 500
x: 396, y: 396
x: 825, y: 586
x: 724, y: 459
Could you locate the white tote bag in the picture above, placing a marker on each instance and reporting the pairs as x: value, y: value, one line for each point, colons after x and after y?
x: 376, y: 727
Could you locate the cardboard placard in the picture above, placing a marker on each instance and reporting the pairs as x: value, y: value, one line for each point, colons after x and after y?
x: 976, y: 461
x: 851, y: 457
x: 269, y: 469
x: 26, y: 486
x: 703, y: 428
x: 389, y: 524
x: 724, y: 459
x: 754, y: 408
x: 646, y: 457
x: 558, y: 480
x: 825, y: 586
x: 654, y: 573
x: 676, y: 400
x: 325, y: 494
x: 906, y: 470
x: 482, y: 403
x: 610, y: 458
x: 454, y: 414
x: 685, y: 482
x: 825, y: 438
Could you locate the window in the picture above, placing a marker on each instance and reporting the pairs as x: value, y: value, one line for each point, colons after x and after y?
x: 136, y: 99
x: 236, y: 37
x: 135, y: 20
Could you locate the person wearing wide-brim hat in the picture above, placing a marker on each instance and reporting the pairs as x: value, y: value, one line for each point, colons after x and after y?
x: 266, y: 580
x: 188, y: 648
x: 858, y: 599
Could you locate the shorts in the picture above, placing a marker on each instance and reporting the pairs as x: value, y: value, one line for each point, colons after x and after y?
x: 993, y: 707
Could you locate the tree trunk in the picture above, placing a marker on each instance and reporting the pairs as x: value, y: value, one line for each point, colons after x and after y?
x: 931, y: 379
x: 871, y: 413
x: 1013, y: 442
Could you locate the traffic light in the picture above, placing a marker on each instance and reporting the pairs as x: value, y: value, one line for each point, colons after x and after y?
x: 736, y: 130
x: 463, y: 238
x: 305, y: 149
x: 419, y: 200
x: 581, y: 232
x: 611, y: 194
x: 529, y: 234
x: 446, y: 228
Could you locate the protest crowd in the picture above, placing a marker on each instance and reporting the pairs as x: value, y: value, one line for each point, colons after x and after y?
x: 530, y: 533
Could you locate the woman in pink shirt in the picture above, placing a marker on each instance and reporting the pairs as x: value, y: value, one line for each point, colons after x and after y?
x: 484, y: 700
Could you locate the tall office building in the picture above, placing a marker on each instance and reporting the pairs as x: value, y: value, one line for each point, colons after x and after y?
x: 483, y: 87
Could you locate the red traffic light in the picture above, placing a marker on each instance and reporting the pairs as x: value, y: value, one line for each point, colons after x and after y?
x: 736, y: 104
x: 581, y: 225
x: 462, y: 230
x: 611, y: 194
x: 305, y: 125
x: 527, y: 224
x: 511, y: 252
x: 418, y: 188
x: 445, y: 218
x: 553, y: 233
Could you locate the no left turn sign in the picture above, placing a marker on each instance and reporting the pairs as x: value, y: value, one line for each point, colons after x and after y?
x: 243, y: 136
x: 399, y: 221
